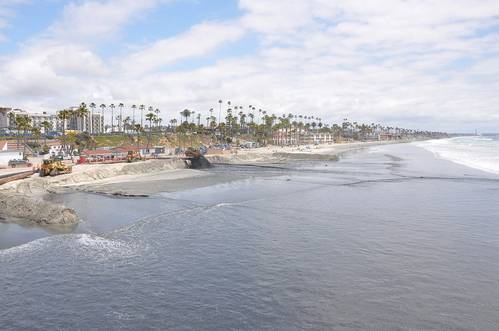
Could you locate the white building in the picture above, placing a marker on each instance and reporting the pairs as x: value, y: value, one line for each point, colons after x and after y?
x: 7, y: 154
x: 36, y: 119
x: 82, y: 124
x: 4, y: 118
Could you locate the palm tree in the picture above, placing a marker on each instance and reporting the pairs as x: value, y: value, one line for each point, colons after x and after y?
x: 150, y: 118
x: 220, y: 110
x: 36, y: 133
x: 142, y: 108
x: 134, y: 107
x: 112, y: 106
x: 12, y: 120
x: 158, y: 119
x: 46, y: 125
x: 126, y: 124
x: 173, y: 122
x: 102, y: 121
x: 81, y: 113
x: 92, y: 107
x: 120, y: 106
x: 23, y: 122
x: 138, y: 128
x: 63, y: 115
x: 185, y: 113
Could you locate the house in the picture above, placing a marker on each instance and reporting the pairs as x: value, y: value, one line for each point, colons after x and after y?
x: 144, y: 151
x: 56, y: 148
x: 97, y: 155
x: 8, y: 153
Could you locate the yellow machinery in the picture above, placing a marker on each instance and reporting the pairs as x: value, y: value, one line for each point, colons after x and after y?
x: 54, y: 168
x: 133, y: 156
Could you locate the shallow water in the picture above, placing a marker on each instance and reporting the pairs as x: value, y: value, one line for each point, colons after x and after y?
x: 390, y: 238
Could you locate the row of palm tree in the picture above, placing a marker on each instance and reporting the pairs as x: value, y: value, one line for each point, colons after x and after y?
x: 230, y: 122
x: 120, y: 123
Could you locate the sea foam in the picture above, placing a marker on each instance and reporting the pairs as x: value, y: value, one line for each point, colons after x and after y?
x: 480, y: 153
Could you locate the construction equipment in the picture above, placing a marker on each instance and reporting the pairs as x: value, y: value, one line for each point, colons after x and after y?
x: 133, y: 156
x: 54, y: 168
x: 191, y: 152
x: 195, y: 160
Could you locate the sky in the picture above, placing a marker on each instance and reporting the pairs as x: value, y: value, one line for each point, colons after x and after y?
x: 414, y: 63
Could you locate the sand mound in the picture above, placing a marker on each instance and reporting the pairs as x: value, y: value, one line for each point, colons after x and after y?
x: 90, y: 173
x: 23, y: 199
x: 37, y: 211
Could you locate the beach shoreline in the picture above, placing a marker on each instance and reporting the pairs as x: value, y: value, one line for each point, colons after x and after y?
x: 127, y: 179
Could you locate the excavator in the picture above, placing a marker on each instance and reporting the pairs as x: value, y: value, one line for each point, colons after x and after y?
x: 53, y: 168
x: 194, y: 159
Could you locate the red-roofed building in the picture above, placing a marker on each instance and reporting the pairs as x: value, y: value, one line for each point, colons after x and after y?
x: 97, y: 155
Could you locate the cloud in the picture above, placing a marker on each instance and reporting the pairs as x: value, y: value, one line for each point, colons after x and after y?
x: 91, y: 21
x: 404, y: 62
x: 197, y: 41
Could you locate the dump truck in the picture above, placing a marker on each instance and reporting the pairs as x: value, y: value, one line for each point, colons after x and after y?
x: 54, y: 168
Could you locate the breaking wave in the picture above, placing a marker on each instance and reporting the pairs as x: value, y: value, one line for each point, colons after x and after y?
x: 480, y: 153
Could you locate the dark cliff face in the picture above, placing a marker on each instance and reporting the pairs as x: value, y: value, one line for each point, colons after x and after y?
x: 199, y: 162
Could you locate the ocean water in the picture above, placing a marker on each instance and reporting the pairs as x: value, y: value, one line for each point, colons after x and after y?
x: 476, y: 152
x: 390, y: 238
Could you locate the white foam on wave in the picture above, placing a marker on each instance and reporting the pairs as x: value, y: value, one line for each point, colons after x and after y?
x: 98, y: 247
x: 99, y: 243
x: 480, y: 153
x: 24, y: 248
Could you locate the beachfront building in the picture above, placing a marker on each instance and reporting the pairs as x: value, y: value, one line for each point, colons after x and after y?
x: 319, y: 138
x: 6, y: 115
x: 285, y: 136
x: 4, y: 118
x: 37, y: 120
x: 90, y: 123
x: 7, y: 153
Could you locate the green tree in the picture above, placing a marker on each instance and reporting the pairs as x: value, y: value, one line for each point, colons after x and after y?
x: 47, y: 126
x: 186, y: 113
x: 64, y: 115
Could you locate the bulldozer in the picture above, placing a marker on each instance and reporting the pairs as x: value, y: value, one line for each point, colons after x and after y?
x: 53, y: 168
x: 133, y: 156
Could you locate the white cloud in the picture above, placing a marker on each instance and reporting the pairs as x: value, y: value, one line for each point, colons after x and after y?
x: 197, y: 41
x: 393, y: 61
x: 94, y: 20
